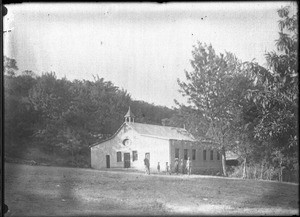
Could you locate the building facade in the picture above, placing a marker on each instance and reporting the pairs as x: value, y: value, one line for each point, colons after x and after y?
x: 132, y: 142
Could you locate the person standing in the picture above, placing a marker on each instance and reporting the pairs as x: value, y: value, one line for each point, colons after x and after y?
x: 176, y: 165
x: 158, y: 168
x: 148, y: 166
x: 181, y: 166
x: 189, y: 166
x: 167, y: 169
x: 146, y: 163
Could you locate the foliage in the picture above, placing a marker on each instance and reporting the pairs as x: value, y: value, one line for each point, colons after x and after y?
x: 213, y: 95
x: 278, y: 98
x: 60, y: 117
x: 245, y: 107
x: 19, y: 116
x: 276, y: 94
x: 10, y: 66
x: 149, y: 113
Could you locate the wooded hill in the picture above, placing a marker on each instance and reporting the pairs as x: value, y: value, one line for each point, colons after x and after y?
x: 62, y: 118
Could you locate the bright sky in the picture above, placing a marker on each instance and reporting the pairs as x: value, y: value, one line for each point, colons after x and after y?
x: 142, y: 48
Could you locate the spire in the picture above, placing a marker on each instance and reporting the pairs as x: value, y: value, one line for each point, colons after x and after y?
x: 129, y: 117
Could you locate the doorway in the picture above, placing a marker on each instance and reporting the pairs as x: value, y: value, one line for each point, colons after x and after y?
x: 126, y: 160
x: 107, y: 161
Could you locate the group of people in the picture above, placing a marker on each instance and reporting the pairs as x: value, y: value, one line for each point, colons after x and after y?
x: 179, y: 167
x: 182, y: 167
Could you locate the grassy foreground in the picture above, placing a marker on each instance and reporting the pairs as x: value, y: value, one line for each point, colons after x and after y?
x: 50, y: 191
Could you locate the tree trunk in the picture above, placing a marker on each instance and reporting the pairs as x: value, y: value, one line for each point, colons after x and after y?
x: 245, y: 171
x: 280, y: 170
x: 270, y: 171
x: 255, y: 170
x: 72, y: 156
x: 223, y: 161
x: 262, y: 171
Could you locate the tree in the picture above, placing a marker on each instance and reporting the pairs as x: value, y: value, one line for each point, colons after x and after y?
x: 75, y: 114
x: 276, y: 94
x: 209, y: 91
x: 20, y: 116
x: 190, y: 119
x: 149, y: 113
x: 10, y: 66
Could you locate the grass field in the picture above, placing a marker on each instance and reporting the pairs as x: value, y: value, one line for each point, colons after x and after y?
x: 50, y: 191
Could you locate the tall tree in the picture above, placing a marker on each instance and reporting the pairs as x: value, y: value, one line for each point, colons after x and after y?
x: 277, y: 100
x: 19, y: 116
x: 209, y: 91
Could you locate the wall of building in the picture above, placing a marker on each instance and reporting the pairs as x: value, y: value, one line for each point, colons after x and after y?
x: 158, y: 149
x: 111, y: 147
x: 199, y: 165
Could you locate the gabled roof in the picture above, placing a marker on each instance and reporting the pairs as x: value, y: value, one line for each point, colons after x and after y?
x: 162, y: 131
x: 157, y: 131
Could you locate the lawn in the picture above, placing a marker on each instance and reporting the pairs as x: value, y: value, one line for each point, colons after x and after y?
x: 62, y: 191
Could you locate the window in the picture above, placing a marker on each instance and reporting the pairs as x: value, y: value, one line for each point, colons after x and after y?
x: 185, y: 154
x: 134, y: 156
x: 177, y: 153
x: 218, y: 156
x: 211, y: 154
x: 204, y: 154
x: 126, y: 142
x: 194, y: 154
x: 119, y: 156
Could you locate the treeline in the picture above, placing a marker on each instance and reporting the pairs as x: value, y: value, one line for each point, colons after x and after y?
x: 61, y: 118
x: 246, y: 108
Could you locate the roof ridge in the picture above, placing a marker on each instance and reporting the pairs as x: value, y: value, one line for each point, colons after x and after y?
x: 158, y: 125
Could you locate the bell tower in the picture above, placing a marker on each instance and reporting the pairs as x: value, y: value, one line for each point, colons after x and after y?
x: 129, y: 117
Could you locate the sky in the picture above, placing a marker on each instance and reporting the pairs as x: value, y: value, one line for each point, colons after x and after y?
x: 141, y: 47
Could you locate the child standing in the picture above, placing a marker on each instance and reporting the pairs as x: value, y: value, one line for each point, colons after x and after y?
x: 182, y: 166
x: 176, y: 166
x: 189, y: 166
x: 167, y: 169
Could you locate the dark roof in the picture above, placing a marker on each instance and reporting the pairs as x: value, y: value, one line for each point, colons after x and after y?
x: 157, y: 131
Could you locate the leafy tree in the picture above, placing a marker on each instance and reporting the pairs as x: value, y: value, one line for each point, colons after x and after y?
x: 209, y: 91
x: 50, y: 98
x: 276, y: 94
x: 19, y: 116
x: 10, y: 66
x: 75, y: 114
x: 190, y: 119
x: 149, y: 113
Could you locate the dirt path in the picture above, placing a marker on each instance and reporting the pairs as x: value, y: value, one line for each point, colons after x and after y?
x: 52, y: 191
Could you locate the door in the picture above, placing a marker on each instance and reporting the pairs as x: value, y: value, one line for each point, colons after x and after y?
x: 107, y: 161
x: 126, y: 160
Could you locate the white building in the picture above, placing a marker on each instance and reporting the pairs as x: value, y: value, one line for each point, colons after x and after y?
x: 132, y: 142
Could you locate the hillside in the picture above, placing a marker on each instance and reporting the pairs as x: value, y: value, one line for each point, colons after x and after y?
x: 84, y: 192
x: 59, y: 119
